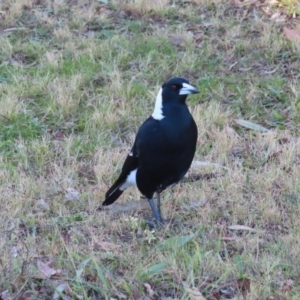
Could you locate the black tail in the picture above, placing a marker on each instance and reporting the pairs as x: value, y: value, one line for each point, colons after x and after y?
x: 113, y: 193
x: 112, y: 198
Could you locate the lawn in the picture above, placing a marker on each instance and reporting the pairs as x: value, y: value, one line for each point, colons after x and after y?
x: 77, y: 79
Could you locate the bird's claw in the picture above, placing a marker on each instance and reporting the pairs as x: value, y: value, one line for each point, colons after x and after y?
x: 154, y: 223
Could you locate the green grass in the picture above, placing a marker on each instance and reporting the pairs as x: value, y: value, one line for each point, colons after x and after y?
x: 76, y: 81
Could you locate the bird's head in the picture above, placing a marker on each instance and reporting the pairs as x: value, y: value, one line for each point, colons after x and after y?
x: 177, y: 88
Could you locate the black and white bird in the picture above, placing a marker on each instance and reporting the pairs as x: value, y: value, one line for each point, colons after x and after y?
x: 163, y: 149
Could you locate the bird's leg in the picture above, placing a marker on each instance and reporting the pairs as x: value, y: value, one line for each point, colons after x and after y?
x: 156, y: 213
x: 158, y: 206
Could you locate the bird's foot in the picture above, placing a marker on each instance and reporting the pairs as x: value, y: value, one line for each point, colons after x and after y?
x: 154, y: 223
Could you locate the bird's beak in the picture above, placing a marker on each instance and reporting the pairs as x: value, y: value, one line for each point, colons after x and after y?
x: 188, y: 89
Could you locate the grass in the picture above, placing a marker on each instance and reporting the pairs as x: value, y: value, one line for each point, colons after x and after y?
x: 77, y: 79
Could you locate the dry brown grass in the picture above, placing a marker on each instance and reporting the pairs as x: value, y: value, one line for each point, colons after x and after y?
x: 77, y: 79
x: 143, y: 6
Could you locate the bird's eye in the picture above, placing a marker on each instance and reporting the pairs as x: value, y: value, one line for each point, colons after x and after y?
x: 174, y: 87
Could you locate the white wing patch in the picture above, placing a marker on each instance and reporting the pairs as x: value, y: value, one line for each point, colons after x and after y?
x: 132, y: 154
x: 130, y: 180
x: 158, y: 113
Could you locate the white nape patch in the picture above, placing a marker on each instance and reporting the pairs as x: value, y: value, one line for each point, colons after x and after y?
x: 158, y: 113
x: 130, y: 180
x: 187, y: 89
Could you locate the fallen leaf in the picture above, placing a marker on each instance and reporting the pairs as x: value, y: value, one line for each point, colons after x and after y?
x: 227, y: 292
x: 228, y: 238
x: 72, y: 194
x: 28, y: 295
x: 46, y: 270
x: 241, y: 227
x: 121, y: 295
x: 65, y: 236
x: 251, y: 125
x: 149, y: 290
x: 107, y: 246
x: 14, y: 251
x: 275, y: 15
x: 63, y: 287
x: 42, y: 204
x: 56, y: 248
x: 136, y: 294
x: 205, y: 283
x: 197, y: 163
x: 287, y: 285
x: 196, y: 203
x: 5, y: 295
x: 244, y: 285
x: 177, y: 40
x: 59, y: 136
x: 276, y: 297
x: 216, y: 294
x: 291, y: 34
x: 195, y: 294
x: 198, y: 36
x: 58, y: 2
x: 274, y: 155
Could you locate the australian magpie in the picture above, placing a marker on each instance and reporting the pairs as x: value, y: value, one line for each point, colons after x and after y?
x: 163, y: 149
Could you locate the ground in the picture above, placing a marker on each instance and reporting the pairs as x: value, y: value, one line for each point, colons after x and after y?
x: 77, y: 78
